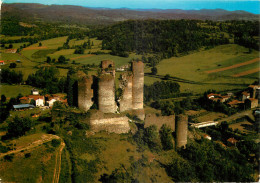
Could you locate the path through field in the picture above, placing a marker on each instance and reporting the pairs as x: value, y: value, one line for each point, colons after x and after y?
x: 84, y: 56
x: 247, y: 72
x: 234, y: 66
x: 35, y: 48
x: 56, y: 174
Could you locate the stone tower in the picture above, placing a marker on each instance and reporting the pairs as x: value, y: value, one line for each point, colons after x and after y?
x: 85, y: 92
x: 138, y: 84
x: 126, y: 84
x: 106, y: 87
x: 181, y: 130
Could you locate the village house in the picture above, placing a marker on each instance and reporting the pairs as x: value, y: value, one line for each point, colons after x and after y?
x: 24, y: 100
x: 206, y: 136
x: 232, y: 142
x: 235, y: 103
x: 39, y: 100
x: 35, y: 91
x: 217, y: 97
x: 251, y: 103
x: 2, y: 62
x: 50, y: 99
x: 245, y: 95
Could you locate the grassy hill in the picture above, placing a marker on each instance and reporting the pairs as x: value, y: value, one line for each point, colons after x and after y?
x: 191, y: 70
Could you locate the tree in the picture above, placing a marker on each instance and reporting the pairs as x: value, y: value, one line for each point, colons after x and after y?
x: 19, y: 126
x: 167, y: 77
x: 3, y: 98
x: 10, y: 46
x: 151, y: 138
x: 61, y: 59
x: 12, y: 65
x: 154, y: 70
x: 166, y: 137
x: 40, y: 44
x: 48, y: 59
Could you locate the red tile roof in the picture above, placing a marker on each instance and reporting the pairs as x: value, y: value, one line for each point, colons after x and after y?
x: 232, y: 140
x: 35, y: 97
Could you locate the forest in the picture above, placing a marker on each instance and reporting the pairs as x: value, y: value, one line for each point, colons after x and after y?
x: 168, y: 38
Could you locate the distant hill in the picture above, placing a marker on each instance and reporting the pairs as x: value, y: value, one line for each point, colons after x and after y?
x: 101, y: 16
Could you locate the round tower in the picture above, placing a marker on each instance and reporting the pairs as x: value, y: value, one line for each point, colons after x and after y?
x: 106, y: 93
x: 138, y: 84
x: 181, y: 130
x: 85, y: 93
x: 126, y: 84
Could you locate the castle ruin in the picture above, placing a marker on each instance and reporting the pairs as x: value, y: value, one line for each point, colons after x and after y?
x: 131, y: 87
x: 101, y: 90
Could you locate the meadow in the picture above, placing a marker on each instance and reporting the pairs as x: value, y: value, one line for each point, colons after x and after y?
x: 191, y: 70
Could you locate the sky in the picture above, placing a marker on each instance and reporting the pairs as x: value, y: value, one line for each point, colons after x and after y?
x: 246, y: 5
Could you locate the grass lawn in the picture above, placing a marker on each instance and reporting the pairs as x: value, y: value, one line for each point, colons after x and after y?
x: 13, y: 90
x: 189, y: 70
x: 53, y: 43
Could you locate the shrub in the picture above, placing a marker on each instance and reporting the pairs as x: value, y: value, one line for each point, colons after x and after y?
x: 27, y: 155
x: 9, y: 157
x: 55, y: 142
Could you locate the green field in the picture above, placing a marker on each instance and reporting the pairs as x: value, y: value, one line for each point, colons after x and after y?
x: 13, y: 90
x: 189, y: 70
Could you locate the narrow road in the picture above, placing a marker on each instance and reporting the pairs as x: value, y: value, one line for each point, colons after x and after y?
x: 57, y: 169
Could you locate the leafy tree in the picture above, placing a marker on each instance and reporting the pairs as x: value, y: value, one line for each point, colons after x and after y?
x: 40, y: 44
x: 3, y: 98
x: 151, y: 138
x: 167, y: 77
x: 61, y: 59
x: 19, y: 126
x: 166, y: 137
x: 154, y: 70
x: 12, y: 65
x: 48, y: 59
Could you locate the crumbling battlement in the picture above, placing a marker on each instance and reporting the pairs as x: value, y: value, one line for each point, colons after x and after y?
x: 108, y: 66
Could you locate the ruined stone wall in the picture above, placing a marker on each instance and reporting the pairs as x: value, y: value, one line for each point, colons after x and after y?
x: 106, y: 94
x: 181, y: 130
x: 138, y: 84
x: 152, y: 119
x: 111, y: 125
x: 126, y: 84
x: 85, y: 93
x: 108, y: 66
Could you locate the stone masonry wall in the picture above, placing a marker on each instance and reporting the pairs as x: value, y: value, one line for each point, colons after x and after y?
x: 181, y: 130
x: 138, y: 84
x: 126, y: 100
x: 106, y: 94
x: 85, y: 93
x: 111, y: 125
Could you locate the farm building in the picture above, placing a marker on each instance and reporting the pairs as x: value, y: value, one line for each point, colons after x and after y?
x: 2, y: 62
x: 20, y: 107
